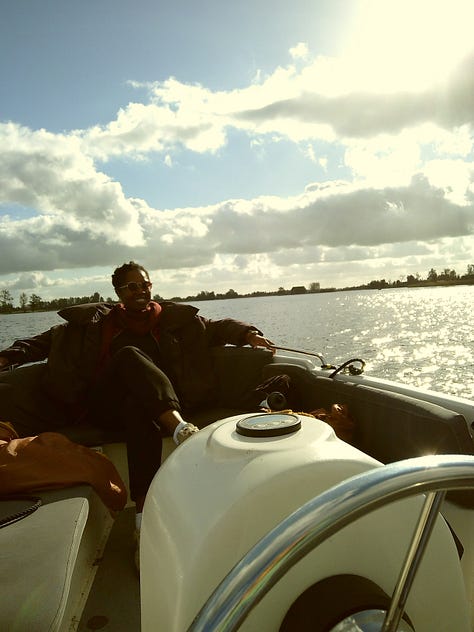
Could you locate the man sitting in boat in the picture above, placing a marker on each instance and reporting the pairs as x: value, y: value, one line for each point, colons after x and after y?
x: 137, y: 365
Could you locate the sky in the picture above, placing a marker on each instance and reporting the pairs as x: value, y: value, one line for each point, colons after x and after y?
x: 247, y: 146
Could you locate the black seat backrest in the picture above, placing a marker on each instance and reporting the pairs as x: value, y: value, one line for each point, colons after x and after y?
x: 389, y: 426
x: 239, y: 370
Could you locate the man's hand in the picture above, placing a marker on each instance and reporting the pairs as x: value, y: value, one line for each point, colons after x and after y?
x: 4, y: 363
x: 257, y: 340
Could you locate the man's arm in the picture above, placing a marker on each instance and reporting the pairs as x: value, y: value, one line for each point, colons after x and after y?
x: 32, y: 349
x: 235, y: 332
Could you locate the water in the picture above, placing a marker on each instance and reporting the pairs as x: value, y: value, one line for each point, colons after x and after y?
x: 419, y: 336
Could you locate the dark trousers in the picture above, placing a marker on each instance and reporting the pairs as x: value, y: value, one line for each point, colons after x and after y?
x: 130, y: 395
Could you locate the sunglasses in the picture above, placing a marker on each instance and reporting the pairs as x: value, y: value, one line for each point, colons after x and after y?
x: 135, y: 287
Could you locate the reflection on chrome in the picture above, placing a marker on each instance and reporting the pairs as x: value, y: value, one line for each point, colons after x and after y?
x: 323, y: 516
x: 367, y: 621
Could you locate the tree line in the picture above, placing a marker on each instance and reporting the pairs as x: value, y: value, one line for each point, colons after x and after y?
x: 35, y: 303
x: 447, y: 276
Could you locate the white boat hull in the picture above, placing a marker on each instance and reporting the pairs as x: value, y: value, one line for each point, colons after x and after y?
x: 217, y: 495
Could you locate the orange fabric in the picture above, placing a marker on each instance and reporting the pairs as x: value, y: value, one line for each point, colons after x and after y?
x: 340, y: 420
x: 51, y: 461
x: 7, y: 431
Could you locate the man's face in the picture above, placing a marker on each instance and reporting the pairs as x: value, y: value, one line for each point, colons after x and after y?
x: 135, y: 292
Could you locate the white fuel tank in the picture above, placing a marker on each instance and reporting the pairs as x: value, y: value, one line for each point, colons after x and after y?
x: 227, y: 486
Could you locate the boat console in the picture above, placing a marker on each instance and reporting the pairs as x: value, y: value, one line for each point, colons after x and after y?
x: 225, y: 489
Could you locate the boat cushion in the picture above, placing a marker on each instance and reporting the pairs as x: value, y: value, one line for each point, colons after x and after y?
x: 38, y: 557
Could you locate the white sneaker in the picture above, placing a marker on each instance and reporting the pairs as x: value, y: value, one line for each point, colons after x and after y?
x: 186, y: 431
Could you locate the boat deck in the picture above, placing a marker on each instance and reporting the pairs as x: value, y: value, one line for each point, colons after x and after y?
x: 114, y: 600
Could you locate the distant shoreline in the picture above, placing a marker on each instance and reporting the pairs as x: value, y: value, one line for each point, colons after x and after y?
x: 211, y: 296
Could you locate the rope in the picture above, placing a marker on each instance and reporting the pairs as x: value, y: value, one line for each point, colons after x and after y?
x: 348, y: 367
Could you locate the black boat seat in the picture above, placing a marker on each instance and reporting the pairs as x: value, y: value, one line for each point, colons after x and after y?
x: 238, y: 370
x: 90, y: 435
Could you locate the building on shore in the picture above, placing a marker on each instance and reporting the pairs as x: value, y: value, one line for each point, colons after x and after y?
x: 298, y: 289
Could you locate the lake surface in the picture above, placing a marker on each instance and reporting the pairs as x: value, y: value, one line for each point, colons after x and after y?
x: 419, y: 336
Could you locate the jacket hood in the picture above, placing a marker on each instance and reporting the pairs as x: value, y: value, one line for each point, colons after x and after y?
x: 173, y: 316
x: 85, y: 313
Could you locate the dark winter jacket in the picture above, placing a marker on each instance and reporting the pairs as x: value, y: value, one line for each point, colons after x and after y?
x: 185, y: 338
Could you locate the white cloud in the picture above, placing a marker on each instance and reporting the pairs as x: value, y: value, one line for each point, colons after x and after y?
x: 48, y: 172
x: 300, y: 51
x: 454, y: 177
x: 411, y: 196
x: 31, y: 280
x: 364, y: 114
x: 326, y: 99
x: 332, y: 216
x: 323, y: 163
x: 385, y: 160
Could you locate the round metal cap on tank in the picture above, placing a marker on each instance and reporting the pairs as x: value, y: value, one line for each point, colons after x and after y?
x: 268, y: 425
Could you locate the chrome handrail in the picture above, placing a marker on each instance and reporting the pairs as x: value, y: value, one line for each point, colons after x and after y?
x: 320, y: 356
x: 323, y: 516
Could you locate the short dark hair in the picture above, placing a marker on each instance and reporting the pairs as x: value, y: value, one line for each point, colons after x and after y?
x: 119, y: 274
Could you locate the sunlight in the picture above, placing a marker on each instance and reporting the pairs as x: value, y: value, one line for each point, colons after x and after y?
x: 408, y: 44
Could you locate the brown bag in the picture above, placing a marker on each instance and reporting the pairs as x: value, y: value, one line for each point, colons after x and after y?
x: 339, y: 419
x: 51, y: 461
